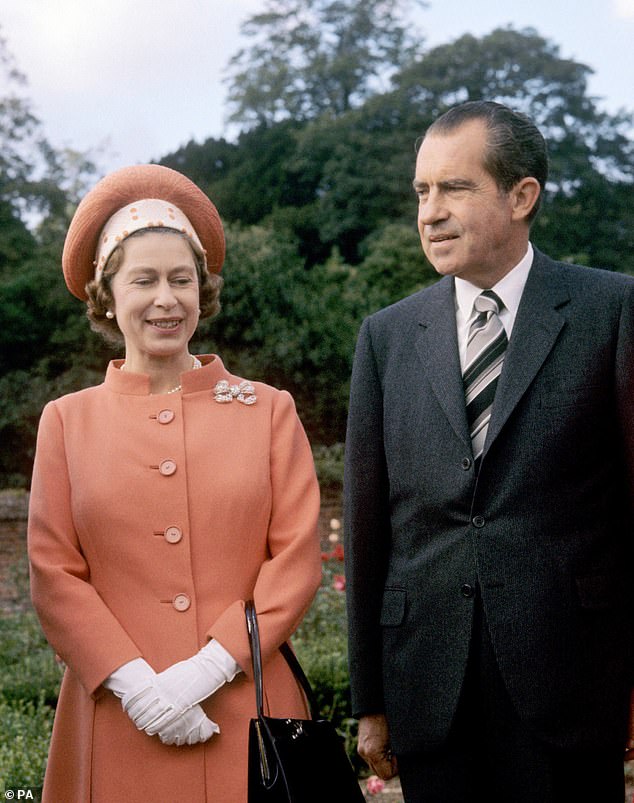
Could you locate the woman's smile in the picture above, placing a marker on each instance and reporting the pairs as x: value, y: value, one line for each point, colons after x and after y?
x: 166, y: 324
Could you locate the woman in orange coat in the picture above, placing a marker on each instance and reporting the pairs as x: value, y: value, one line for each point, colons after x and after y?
x: 161, y: 500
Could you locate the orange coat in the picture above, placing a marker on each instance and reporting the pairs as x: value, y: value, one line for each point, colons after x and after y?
x: 152, y: 519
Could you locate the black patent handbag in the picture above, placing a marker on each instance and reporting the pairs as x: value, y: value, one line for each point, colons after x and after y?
x: 290, y: 760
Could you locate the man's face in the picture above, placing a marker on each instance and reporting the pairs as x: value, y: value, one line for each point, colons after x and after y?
x: 465, y: 221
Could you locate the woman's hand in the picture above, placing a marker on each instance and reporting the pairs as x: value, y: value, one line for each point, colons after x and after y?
x: 134, y: 684
x: 180, y: 687
x: 191, y: 727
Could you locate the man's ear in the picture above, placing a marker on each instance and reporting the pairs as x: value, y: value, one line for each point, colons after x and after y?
x: 524, y: 195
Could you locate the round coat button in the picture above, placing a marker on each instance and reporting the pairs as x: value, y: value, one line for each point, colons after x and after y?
x: 166, y: 416
x: 478, y: 521
x: 181, y: 602
x: 167, y: 468
x: 467, y: 590
x: 173, y: 534
x: 466, y: 463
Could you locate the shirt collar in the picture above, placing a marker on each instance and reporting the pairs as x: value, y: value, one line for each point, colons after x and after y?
x: 509, y: 288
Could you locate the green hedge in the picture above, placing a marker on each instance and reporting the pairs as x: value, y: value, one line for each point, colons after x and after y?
x: 29, y: 684
x: 321, y: 646
x: 329, y: 465
x: 28, y: 670
x: 26, y: 732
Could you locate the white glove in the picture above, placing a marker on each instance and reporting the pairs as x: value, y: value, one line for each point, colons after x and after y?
x: 131, y: 678
x: 134, y: 684
x: 182, y: 686
x: 190, y: 728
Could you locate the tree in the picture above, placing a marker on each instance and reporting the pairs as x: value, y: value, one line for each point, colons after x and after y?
x: 35, y: 178
x: 289, y: 325
x: 527, y: 72
x: 45, y: 345
x: 312, y: 56
x: 362, y: 162
x: 393, y: 265
x: 334, y: 180
x: 17, y: 131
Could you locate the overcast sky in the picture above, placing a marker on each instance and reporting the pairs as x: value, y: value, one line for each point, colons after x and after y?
x: 136, y: 79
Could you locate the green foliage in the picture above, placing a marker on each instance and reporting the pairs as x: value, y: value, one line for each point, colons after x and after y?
x: 288, y: 325
x: 591, y: 153
x: 46, y: 349
x: 29, y: 672
x: 29, y: 685
x: 329, y: 465
x: 23, y: 395
x: 362, y: 179
x: 249, y: 178
x: 394, y: 265
x: 352, y: 170
x: 312, y: 56
x: 321, y: 646
x: 26, y: 732
x: 319, y: 204
x: 33, y: 175
x: 16, y: 242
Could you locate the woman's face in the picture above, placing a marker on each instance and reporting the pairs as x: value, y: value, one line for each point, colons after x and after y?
x: 155, y: 293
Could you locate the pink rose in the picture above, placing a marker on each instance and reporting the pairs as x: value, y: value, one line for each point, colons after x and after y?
x: 339, y: 582
x: 374, y: 785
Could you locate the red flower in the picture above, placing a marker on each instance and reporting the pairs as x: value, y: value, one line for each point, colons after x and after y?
x: 337, y: 552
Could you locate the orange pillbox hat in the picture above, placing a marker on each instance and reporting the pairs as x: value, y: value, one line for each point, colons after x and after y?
x: 125, y: 186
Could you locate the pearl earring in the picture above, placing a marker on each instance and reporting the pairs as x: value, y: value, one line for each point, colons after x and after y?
x: 109, y: 314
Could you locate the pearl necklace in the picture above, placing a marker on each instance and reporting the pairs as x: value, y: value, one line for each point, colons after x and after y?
x: 196, y: 363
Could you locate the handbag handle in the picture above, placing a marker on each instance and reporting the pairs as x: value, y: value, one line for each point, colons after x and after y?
x: 291, y: 660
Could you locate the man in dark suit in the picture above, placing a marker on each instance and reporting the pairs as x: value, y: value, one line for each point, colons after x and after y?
x: 488, y: 496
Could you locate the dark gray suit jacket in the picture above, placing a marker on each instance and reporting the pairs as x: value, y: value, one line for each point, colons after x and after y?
x: 545, y: 530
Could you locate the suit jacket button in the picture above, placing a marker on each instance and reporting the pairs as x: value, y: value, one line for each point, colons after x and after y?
x: 181, y: 602
x: 467, y: 590
x: 167, y: 468
x: 478, y: 521
x: 173, y: 534
x: 466, y: 463
x: 166, y: 416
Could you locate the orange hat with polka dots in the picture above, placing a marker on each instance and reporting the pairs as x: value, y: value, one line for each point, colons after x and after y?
x: 142, y: 196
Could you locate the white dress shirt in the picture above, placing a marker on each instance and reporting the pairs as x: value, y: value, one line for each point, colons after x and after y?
x: 509, y: 289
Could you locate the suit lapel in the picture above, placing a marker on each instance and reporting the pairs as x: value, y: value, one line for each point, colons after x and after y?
x: 437, y: 347
x: 535, y: 331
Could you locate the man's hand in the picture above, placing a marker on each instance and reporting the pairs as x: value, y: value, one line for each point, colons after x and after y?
x: 629, y: 744
x: 374, y: 746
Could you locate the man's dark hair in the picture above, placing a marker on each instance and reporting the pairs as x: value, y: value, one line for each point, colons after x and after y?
x: 515, y: 147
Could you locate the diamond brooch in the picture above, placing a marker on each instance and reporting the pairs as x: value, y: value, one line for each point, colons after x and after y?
x: 224, y: 393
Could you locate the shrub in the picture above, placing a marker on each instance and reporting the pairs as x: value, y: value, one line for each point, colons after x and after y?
x: 321, y: 646
x: 26, y: 732
x: 329, y: 465
x: 29, y: 685
x: 28, y: 670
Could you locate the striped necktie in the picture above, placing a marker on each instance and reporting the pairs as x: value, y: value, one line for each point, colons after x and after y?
x: 486, y: 345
